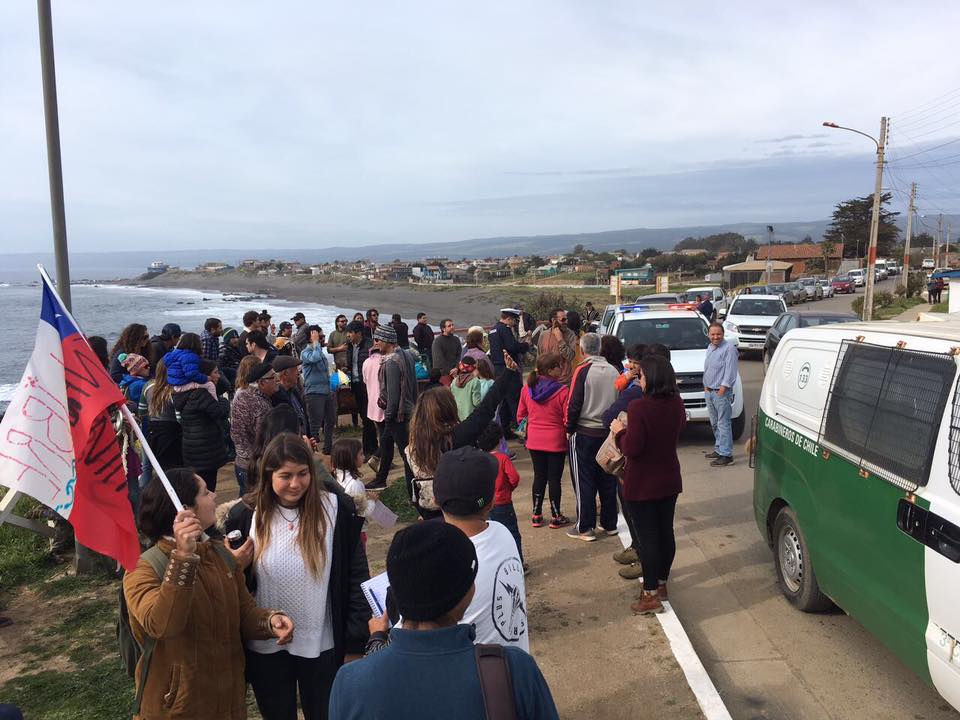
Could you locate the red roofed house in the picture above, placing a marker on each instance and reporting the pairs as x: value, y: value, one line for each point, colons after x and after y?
x: 800, y: 255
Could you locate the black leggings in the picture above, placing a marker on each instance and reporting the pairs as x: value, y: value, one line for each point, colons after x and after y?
x: 276, y: 676
x: 653, y: 520
x: 547, y: 469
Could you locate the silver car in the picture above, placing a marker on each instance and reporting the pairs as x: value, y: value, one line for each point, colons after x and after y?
x: 811, y: 287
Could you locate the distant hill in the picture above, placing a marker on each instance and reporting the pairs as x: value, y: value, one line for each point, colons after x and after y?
x: 112, y: 265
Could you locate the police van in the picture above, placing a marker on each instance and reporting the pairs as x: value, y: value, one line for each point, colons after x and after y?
x: 857, y: 483
x: 684, y: 332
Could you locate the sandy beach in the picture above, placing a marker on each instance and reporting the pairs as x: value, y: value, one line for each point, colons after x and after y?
x: 466, y: 304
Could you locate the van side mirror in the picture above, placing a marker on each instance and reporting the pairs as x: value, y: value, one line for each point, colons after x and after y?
x: 721, y: 313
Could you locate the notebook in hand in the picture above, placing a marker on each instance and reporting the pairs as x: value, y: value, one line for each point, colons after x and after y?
x: 375, y: 591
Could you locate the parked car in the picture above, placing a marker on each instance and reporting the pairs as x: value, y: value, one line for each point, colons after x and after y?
x: 859, y: 277
x: 783, y: 291
x: 749, y: 318
x: 793, y: 319
x: 843, y: 284
x: 798, y: 291
x: 811, y: 287
x: 685, y: 333
x: 825, y: 287
x: 713, y: 292
x: 927, y: 264
x: 753, y: 290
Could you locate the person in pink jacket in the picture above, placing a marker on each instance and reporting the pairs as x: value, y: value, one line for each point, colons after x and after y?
x: 370, y: 372
x: 543, y: 403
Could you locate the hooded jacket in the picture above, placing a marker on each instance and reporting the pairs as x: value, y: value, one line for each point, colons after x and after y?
x: 230, y: 357
x: 183, y: 367
x: 592, y: 391
x: 202, y: 421
x: 544, y: 406
x: 316, y: 370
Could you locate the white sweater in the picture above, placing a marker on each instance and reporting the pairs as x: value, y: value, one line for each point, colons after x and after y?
x: 284, y: 581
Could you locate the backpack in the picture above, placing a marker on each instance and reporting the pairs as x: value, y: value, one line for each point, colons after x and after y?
x: 131, y: 650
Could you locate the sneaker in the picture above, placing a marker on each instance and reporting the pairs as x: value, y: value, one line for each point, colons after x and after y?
x: 589, y: 536
x: 721, y: 461
x: 712, y: 456
x: 374, y: 463
x: 627, y: 556
x: 631, y: 572
x: 662, y: 592
x: 612, y: 533
x: 526, y: 569
x: 559, y: 521
x: 512, y: 455
x: 376, y: 484
x: 647, y: 604
x: 536, y: 520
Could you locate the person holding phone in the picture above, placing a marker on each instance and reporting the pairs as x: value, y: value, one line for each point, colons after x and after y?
x: 561, y: 340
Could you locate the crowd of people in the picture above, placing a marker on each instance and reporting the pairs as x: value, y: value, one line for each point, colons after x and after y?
x: 266, y: 590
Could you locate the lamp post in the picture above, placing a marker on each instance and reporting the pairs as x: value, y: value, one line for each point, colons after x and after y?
x: 875, y: 217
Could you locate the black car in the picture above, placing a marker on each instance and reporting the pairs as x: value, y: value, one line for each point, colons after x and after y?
x: 793, y: 319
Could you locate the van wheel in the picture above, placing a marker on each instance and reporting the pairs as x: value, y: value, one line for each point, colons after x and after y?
x: 798, y: 582
x: 738, y: 424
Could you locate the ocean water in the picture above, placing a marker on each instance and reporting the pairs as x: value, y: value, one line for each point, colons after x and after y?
x: 106, y: 309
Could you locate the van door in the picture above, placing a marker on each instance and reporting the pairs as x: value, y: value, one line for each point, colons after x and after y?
x: 942, y: 561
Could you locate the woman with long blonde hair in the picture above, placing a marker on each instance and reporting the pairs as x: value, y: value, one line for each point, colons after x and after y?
x: 435, y: 428
x: 307, y: 559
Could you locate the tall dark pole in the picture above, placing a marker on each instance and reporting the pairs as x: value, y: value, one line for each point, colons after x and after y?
x: 54, y: 167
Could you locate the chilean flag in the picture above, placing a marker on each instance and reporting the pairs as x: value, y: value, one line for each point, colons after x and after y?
x: 57, y: 442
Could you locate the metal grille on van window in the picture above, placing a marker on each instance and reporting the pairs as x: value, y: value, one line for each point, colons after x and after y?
x: 953, y: 455
x: 885, y: 408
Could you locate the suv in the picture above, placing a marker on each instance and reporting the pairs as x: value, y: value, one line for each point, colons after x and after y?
x: 858, y: 276
x: 783, y: 290
x: 750, y: 317
x: 685, y: 333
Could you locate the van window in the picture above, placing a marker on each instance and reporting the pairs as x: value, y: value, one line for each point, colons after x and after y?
x: 953, y: 459
x: 885, y: 409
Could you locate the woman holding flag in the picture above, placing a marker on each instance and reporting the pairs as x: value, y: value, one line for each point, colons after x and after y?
x: 199, y: 611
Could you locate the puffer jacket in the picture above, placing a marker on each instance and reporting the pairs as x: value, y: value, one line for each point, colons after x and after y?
x: 316, y: 371
x: 202, y: 420
x: 200, y: 612
x: 183, y: 367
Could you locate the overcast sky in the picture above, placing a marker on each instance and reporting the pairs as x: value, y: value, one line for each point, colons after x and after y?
x: 306, y: 124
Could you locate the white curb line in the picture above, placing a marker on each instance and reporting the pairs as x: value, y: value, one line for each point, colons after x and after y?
x: 699, y: 681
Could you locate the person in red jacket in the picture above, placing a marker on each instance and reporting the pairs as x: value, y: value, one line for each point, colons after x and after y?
x: 652, y: 482
x: 543, y: 403
x: 507, y: 480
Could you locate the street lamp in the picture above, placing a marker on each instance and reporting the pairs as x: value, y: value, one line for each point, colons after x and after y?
x: 875, y: 217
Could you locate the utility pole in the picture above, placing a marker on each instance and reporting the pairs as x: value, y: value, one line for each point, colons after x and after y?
x: 906, y: 244
x: 769, y: 253
x: 54, y: 168
x: 936, y: 253
x: 947, y: 251
x: 874, y: 225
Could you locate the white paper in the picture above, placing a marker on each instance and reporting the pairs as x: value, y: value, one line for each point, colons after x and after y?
x: 381, y: 514
x: 375, y: 590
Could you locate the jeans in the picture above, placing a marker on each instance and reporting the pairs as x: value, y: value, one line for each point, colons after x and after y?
x: 507, y: 516
x: 589, y: 480
x: 369, y: 427
x: 241, y: 474
x: 394, y: 434
x: 654, y: 522
x: 547, y: 471
x: 720, y: 408
x: 275, y: 678
x: 322, y: 411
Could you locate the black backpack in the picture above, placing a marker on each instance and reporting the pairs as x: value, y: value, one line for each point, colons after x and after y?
x: 131, y: 650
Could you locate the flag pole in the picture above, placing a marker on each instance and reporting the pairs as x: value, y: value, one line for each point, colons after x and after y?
x: 124, y: 410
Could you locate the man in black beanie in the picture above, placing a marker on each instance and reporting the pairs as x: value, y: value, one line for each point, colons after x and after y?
x: 430, y: 667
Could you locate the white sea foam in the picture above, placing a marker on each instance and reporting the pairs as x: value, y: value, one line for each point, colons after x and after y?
x: 6, y: 392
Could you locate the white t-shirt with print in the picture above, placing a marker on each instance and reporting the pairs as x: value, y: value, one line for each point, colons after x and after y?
x: 499, y: 607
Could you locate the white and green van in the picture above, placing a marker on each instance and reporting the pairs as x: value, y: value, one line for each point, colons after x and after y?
x: 857, y: 482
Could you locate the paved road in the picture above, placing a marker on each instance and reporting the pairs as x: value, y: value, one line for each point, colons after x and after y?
x: 767, y: 659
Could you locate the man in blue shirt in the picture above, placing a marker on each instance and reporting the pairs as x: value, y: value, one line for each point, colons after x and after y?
x: 719, y: 377
x: 429, y: 669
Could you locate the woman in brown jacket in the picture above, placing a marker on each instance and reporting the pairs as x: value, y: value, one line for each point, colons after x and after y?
x: 199, y: 612
x: 652, y: 482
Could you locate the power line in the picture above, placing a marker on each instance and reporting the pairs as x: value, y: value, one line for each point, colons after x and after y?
x: 951, y: 182
x: 930, y: 104
x: 929, y: 149
x: 934, y: 117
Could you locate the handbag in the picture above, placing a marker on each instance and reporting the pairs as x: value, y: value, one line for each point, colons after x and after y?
x: 609, y: 457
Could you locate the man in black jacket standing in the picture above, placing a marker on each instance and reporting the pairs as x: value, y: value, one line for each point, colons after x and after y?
x: 403, y: 332
x: 502, y: 338
x: 423, y: 336
x: 358, y: 350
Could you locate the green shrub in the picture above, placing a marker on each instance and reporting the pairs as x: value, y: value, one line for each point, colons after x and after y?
x: 916, y: 284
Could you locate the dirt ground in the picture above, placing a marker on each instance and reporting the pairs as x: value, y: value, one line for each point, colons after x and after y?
x: 599, y: 659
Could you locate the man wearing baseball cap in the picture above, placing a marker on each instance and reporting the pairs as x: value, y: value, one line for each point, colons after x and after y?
x: 463, y: 487
x: 430, y: 669
x: 288, y: 376
x: 301, y: 335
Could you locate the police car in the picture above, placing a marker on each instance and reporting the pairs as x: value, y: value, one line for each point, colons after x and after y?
x: 684, y: 331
